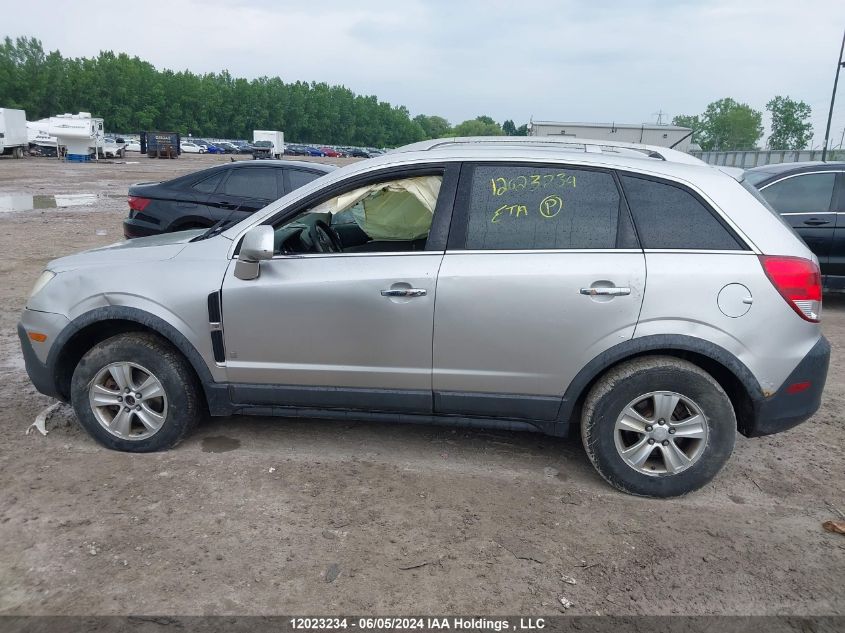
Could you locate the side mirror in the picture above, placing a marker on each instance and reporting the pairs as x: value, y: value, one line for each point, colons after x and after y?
x: 256, y: 246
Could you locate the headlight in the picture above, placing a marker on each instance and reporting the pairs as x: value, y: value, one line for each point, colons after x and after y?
x: 43, y: 280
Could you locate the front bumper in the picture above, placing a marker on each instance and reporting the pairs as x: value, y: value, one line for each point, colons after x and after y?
x: 40, y: 373
x: 798, y: 398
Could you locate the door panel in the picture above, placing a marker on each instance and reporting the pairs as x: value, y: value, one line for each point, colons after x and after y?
x: 816, y: 229
x: 518, y: 323
x: 805, y: 202
x: 322, y: 321
x: 836, y: 257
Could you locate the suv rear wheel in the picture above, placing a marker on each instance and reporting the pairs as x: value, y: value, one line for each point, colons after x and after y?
x: 658, y: 427
x: 134, y: 392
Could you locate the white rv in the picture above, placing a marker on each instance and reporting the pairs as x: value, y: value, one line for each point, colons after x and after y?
x: 80, y: 134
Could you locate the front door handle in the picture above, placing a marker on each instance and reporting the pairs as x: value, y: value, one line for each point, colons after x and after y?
x: 404, y: 292
x: 816, y: 222
x: 612, y: 291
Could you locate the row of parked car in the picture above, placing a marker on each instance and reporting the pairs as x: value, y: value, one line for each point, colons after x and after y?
x: 201, y: 146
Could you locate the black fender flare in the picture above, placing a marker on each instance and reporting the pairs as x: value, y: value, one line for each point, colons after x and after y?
x: 135, y: 315
x: 655, y: 343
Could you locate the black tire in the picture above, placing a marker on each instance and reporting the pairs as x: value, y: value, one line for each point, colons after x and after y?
x: 627, y: 382
x: 184, y: 407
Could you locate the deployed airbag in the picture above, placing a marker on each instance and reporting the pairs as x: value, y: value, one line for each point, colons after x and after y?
x: 395, y: 210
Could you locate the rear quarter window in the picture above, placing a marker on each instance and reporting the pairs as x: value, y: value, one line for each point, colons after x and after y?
x: 537, y: 207
x: 209, y: 185
x: 669, y: 216
x: 299, y: 177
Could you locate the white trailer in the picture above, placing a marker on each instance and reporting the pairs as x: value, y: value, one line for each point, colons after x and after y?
x: 13, y: 136
x: 277, y: 139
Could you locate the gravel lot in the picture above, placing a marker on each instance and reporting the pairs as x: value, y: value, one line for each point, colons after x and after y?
x: 266, y: 516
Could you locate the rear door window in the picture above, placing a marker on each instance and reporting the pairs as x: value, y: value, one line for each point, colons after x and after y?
x: 669, y: 216
x: 807, y: 193
x: 299, y: 177
x: 515, y: 207
x: 209, y: 185
x: 252, y: 182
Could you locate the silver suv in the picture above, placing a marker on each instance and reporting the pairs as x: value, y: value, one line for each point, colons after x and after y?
x: 654, y: 303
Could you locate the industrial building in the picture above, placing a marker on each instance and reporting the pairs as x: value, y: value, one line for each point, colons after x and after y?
x: 664, y: 135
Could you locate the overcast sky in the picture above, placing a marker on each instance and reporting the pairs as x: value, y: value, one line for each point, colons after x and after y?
x: 566, y: 60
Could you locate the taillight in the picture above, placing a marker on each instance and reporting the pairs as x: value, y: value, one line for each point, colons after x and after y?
x: 798, y: 281
x: 137, y: 203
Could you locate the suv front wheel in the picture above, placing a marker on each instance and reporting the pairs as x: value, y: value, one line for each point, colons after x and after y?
x: 134, y: 392
x: 658, y: 426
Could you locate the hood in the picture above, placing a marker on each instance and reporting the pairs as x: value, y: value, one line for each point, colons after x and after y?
x: 141, y: 249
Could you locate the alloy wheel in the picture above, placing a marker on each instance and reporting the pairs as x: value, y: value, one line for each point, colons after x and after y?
x: 661, y: 433
x: 128, y: 401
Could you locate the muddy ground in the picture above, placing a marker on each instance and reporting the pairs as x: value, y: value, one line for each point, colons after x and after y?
x: 264, y: 516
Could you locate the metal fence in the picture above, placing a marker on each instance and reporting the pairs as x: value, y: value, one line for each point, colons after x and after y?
x: 746, y: 160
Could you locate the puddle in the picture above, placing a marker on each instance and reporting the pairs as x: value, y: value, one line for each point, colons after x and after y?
x: 24, y: 202
x: 219, y: 444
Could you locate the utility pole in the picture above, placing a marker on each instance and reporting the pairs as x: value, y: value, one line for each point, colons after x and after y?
x: 659, y: 114
x: 839, y: 65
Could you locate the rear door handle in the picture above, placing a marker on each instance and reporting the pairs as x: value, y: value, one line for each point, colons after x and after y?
x: 613, y: 291
x: 404, y: 292
x: 816, y: 222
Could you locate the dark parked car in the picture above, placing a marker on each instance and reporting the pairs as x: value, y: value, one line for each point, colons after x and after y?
x: 295, y: 150
x: 228, y: 148
x: 228, y: 192
x: 810, y: 197
x: 356, y: 152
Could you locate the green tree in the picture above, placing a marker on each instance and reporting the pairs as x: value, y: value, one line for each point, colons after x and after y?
x: 433, y: 126
x: 479, y: 126
x: 725, y: 125
x: 509, y: 128
x: 791, y: 128
x: 693, y: 122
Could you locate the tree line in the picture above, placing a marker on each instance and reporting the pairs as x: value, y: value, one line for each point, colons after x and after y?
x: 132, y: 95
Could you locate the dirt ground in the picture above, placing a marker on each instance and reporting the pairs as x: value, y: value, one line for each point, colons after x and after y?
x: 266, y: 516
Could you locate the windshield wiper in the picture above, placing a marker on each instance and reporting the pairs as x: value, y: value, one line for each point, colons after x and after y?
x: 215, y: 229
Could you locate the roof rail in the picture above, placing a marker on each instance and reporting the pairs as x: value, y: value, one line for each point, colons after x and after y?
x: 592, y: 146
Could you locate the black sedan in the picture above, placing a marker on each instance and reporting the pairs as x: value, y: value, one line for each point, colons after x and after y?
x: 226, y: 193
x: 810, y: 197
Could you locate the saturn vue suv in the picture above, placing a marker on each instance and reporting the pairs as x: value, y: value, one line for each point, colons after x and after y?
x: 632, y: 294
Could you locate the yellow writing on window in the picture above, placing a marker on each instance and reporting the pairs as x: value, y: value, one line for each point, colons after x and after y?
x: 534, y: 182
x: 513, y: 210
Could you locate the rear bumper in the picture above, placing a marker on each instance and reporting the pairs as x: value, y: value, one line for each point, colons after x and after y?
x: 798, y: 398
x: 137, y: 228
